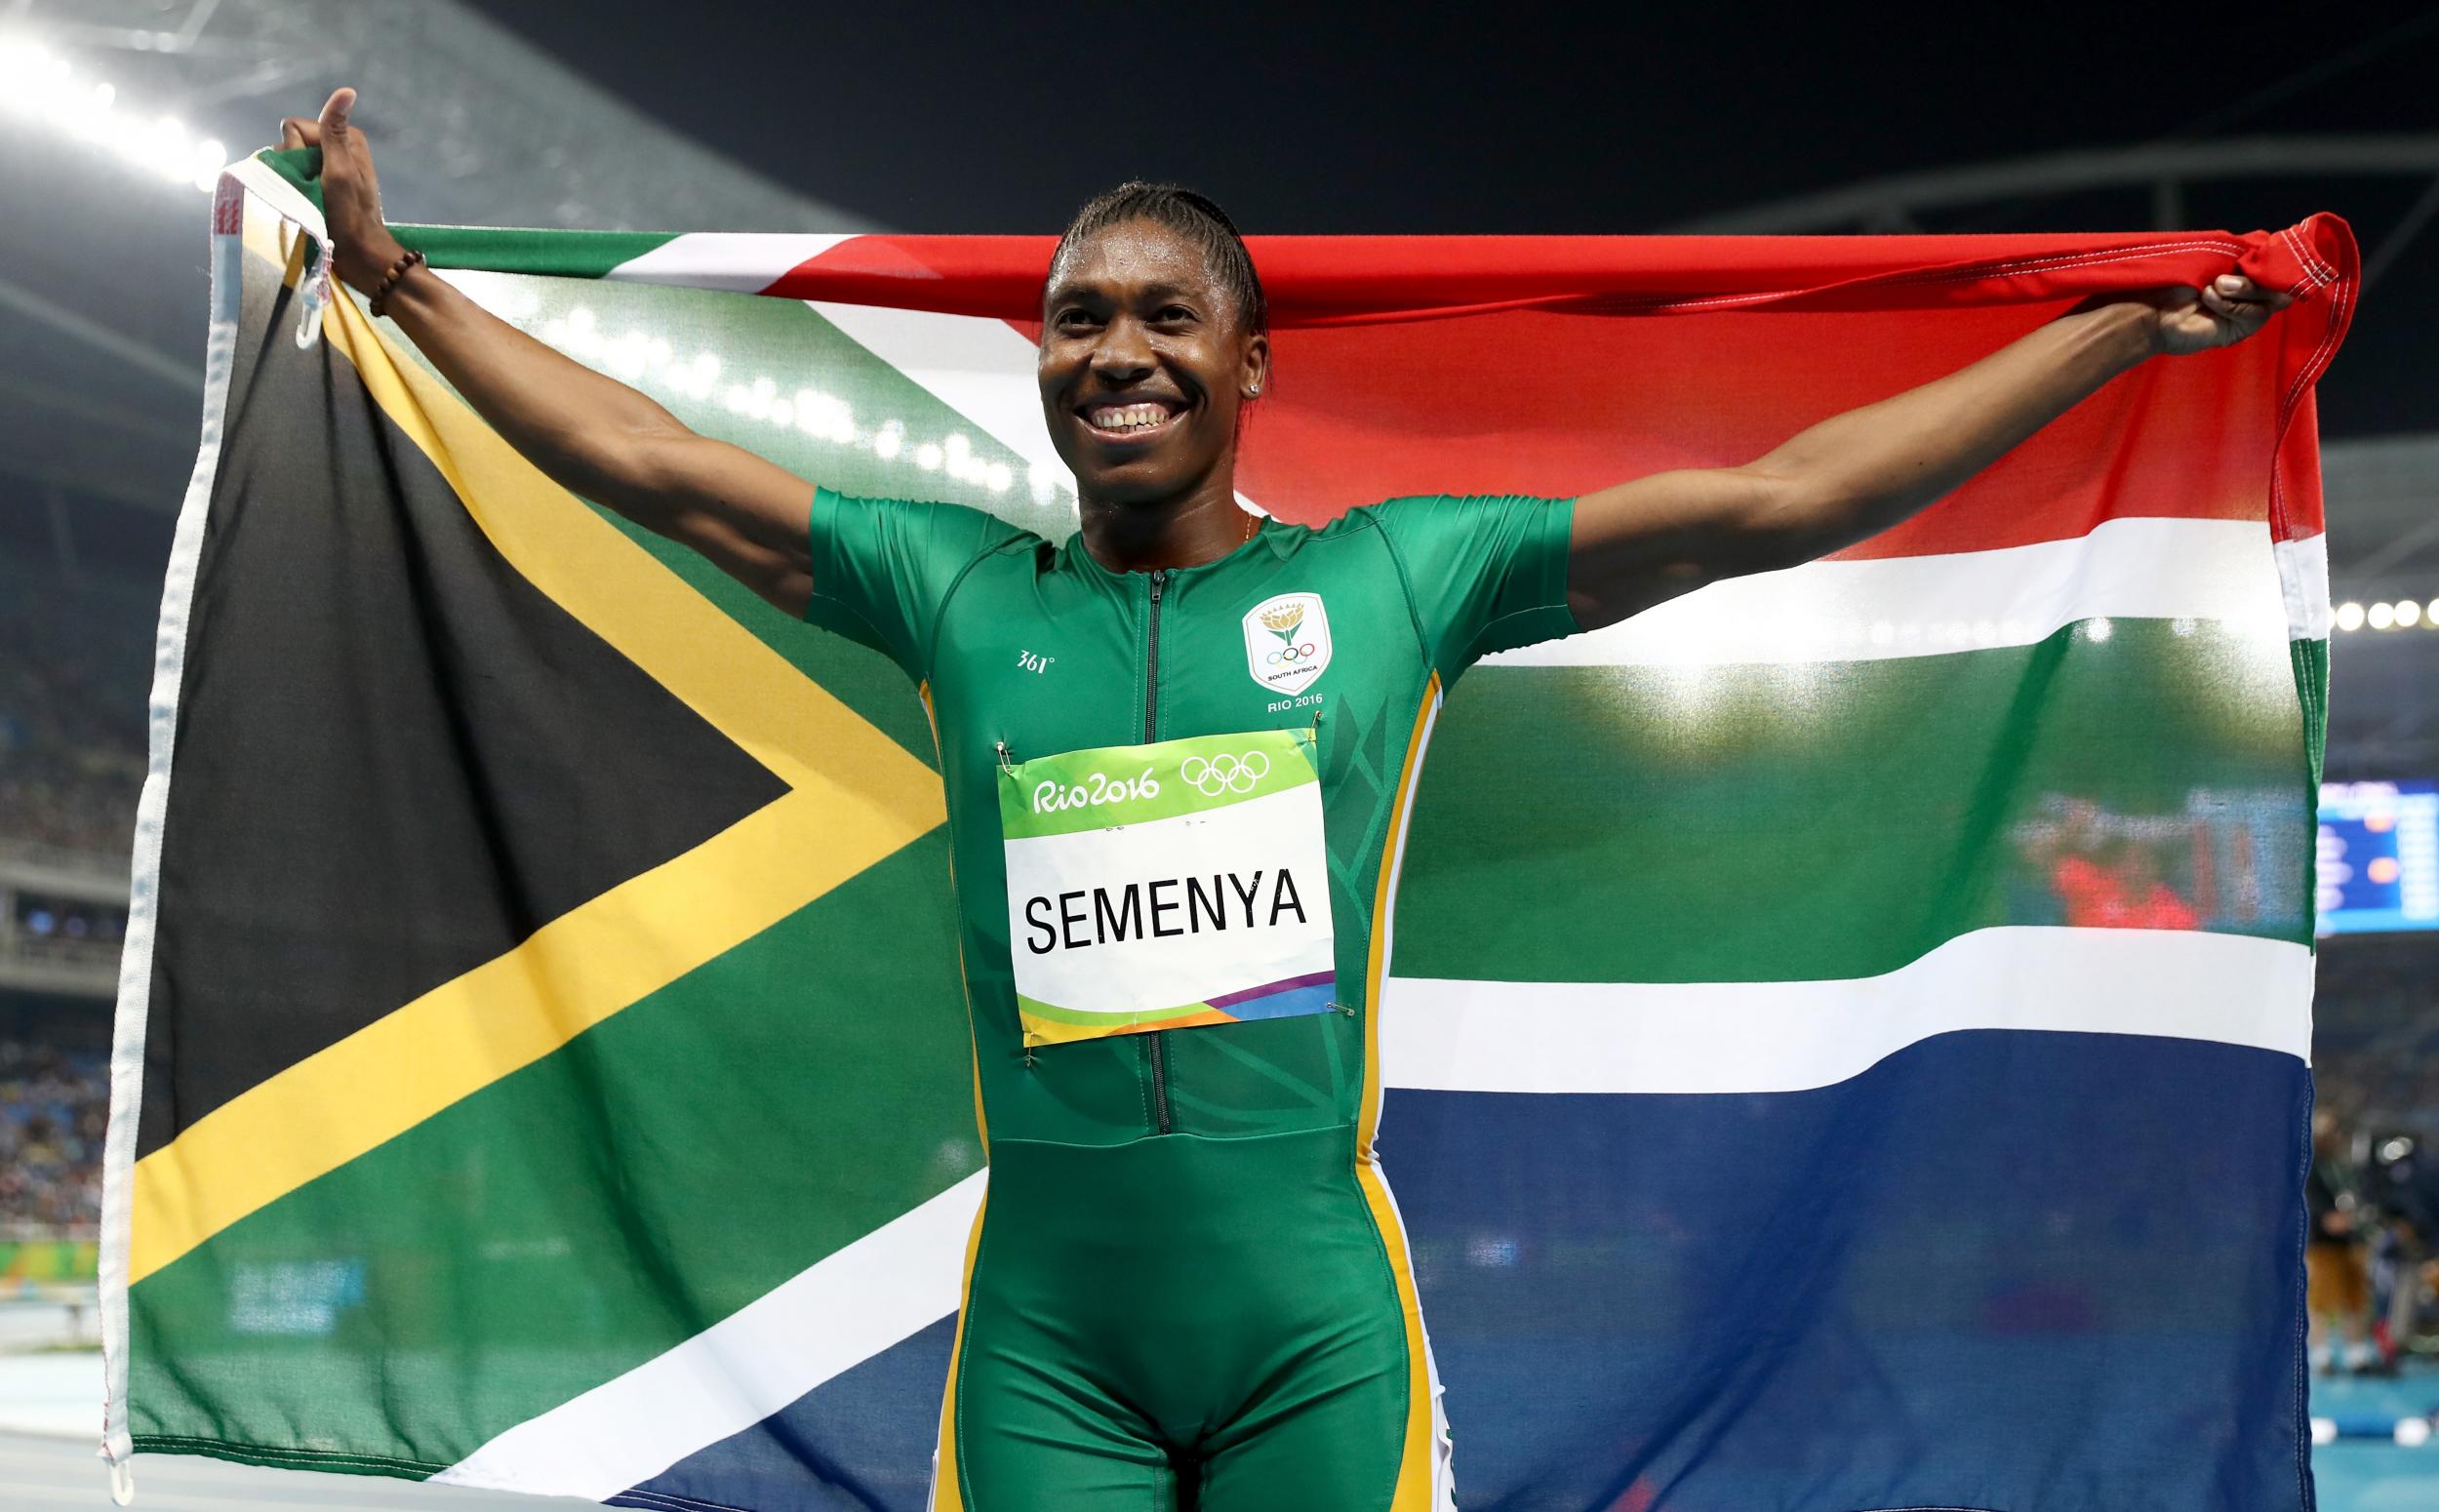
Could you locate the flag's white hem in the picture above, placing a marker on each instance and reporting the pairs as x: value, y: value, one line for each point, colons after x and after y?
x: 132, y: 1016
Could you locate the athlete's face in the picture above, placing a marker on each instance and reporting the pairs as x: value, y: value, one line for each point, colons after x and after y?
x: 1143, y: 364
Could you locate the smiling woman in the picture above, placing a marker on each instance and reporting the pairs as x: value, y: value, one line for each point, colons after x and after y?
x: 1155, y: 337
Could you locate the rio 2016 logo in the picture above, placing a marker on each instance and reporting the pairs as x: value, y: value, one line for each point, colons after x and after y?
x: 1226, y: 773
x: 1098, y: 788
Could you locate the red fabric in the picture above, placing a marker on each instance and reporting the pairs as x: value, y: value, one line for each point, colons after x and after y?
x: 1501, y: 364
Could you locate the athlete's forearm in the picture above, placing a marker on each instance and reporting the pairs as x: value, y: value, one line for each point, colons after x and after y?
x: 592, y: 434
x: 601, y: 440
x: 1857, y: 475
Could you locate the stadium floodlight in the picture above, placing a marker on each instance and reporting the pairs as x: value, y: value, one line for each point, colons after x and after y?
x: 2380, y: 617
x: 40, y: 86
x: 2409, y: 614
x: 2349, y: 616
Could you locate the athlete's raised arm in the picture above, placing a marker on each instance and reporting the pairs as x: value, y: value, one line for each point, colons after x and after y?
x: 1856, y: 474
x: 594, y: 435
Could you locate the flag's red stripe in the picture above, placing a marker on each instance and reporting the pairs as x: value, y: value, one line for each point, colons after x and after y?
x: 1373, y: 399
x: 1542, y: 404
x: 1328, y: 279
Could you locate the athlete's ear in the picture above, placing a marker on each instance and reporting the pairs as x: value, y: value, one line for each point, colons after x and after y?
x: 1255, y: 369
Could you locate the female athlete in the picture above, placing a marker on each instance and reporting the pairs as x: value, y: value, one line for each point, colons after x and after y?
x: 1179, y: 750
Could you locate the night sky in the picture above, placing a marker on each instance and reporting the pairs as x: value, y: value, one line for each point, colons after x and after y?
x: 1327, y: 119
x: 1317, y: 118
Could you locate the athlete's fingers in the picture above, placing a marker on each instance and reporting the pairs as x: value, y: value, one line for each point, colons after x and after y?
x: 2239, y: 290
x: 333, y: 126
x: 299, y: 131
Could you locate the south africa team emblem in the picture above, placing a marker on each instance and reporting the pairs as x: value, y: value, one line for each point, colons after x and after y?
x: 1287, y: 641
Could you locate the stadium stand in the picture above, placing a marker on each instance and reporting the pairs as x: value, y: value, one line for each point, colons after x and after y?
x: 72, y: 694
x: 54, y: 1104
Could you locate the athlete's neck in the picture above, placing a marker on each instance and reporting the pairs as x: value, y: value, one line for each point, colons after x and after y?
x: 1201, y: 525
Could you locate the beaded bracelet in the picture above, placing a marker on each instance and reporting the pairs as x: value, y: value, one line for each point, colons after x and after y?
x: 389, y: 280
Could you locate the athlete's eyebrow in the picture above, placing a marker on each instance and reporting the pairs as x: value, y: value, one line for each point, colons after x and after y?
x: 1080, y: 289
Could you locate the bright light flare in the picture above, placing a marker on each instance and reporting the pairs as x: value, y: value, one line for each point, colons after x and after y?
x: 39, y: 85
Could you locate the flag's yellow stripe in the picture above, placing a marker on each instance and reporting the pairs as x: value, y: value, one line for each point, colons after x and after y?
x: 569, y: 975
x: 715, y: 665
x: 858, y: 798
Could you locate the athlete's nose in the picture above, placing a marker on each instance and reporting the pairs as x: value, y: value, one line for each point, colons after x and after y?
x: 1123, y: 355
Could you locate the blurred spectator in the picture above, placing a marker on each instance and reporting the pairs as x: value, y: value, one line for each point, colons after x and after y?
x: 2336, y: 1265
x: 54, y: 1107
x: 74, y: 661
x: 2120, y: 888
x: 2103, y: 869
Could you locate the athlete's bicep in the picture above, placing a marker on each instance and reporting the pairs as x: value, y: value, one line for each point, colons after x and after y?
x: 744, y: 512
x: 1650, y: 539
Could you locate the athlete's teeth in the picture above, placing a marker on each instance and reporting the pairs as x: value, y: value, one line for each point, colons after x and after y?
x: 1133, y: 417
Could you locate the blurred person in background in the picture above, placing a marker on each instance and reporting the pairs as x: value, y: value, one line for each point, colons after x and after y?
x: 2336, y: 1269
x: 2404, y: 1186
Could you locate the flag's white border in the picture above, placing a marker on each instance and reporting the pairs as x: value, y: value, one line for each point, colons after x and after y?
x: 2134, y: 567
x: 169, y: 670
x: 1744, y: 1037
x: 845, y: 1308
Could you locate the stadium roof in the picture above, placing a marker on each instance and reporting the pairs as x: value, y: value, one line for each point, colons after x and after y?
x: 101, y: 302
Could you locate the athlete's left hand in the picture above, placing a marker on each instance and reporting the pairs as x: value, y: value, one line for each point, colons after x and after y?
x: 2197, y: 320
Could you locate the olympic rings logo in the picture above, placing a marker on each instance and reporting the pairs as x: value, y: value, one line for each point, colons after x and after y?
x: 1224, y: 773
x: 1290, y: 655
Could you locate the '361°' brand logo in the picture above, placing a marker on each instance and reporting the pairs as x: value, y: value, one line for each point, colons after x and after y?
x: 1287, y: 641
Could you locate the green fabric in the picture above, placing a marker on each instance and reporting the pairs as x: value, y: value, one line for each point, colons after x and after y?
x: 539, y: 1298
x: 970, y: 606
x: 554, y: 254
x: 1195, y: 1186
x: 1834, y: 819
x: 1216, y: 1311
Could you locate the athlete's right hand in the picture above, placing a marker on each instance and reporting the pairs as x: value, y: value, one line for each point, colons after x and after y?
x: 351, y: 198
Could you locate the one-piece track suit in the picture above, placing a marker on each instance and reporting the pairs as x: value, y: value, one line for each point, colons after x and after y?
x: 1189, y: 1286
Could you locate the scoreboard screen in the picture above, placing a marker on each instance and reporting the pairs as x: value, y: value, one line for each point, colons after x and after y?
x: 2378, y: 857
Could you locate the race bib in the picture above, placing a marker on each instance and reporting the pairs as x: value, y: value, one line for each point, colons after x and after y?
x: 1167, y: 886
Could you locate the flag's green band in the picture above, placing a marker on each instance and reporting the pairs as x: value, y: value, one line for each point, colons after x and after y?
x: 495, y: 250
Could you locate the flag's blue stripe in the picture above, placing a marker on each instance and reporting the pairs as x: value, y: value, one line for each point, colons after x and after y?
x: 2000, y: 1271
x: 861, y: 1440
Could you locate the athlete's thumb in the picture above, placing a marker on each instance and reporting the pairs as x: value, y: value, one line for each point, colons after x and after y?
x: 334, y: 122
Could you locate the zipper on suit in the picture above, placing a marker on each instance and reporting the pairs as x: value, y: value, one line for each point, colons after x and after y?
x: 1155, y: 1054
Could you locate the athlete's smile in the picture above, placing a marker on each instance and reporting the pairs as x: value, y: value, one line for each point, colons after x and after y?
x: 1122, y: 420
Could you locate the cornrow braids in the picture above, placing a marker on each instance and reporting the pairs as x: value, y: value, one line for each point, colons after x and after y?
x: 1192, y: 215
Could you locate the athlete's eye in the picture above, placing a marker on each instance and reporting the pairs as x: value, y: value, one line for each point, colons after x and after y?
x: 1172, y: 314
x: 1075, y: 320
